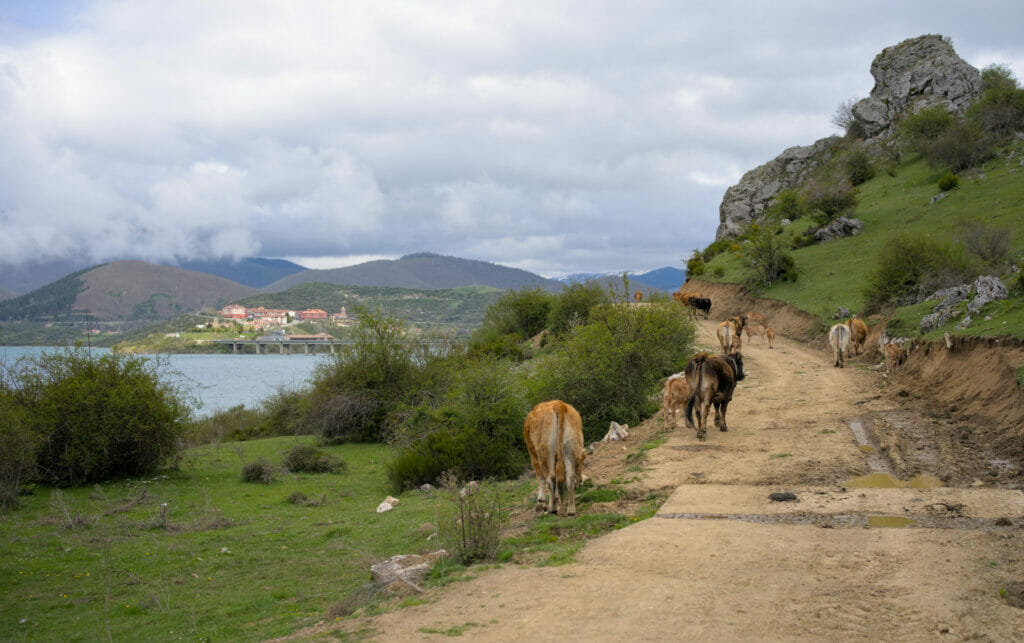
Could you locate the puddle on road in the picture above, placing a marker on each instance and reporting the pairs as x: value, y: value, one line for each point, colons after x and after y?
x: 875, y: 460
x: 897, y: 522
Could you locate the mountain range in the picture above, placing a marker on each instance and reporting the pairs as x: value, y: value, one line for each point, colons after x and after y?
x: 134, y: 291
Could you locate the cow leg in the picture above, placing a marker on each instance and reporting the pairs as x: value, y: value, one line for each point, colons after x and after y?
x: 702, y: 433
x: 722, y: 426
x: 570, y: 483
x: 552, y: 494
x: 718, y: 415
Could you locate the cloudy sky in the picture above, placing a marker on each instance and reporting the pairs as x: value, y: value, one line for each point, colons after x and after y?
x: 557, y: 137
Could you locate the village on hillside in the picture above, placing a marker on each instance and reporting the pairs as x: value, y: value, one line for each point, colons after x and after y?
x: 261, y: 318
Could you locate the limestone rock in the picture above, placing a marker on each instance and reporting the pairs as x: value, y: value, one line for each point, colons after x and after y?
x: 746, y: 201
x: 841, y: 227
x: 917, y: 73
x: 986, y: 289
x: 404, y: 572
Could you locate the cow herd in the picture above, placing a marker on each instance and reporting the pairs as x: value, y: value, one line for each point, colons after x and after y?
x: 553, y: 430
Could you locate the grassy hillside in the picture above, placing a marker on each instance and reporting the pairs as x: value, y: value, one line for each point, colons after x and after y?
x: 55, y: 301
x: 198, y: 554
x: 833, y: 274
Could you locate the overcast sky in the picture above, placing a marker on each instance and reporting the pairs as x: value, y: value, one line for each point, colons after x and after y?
x: 557, y: 137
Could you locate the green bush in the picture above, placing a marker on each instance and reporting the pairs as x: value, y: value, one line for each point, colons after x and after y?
x: 17, y: 457
x: 259, y: 471
x: 786, y: 205
x: 858, y: 166
x: 767, y: 258
x: 963, y: 145
x: 475, y: 431
x: 949, y: 181
x: 695, y: 265
x: 911, y: 267
x: 303, y: 458
x: 719, y: 271
x: 97, y: 418
x: 610, y: 369
x: 523, y: 313
x: 282, y: 413
x: 487, y: 341
x: 572, y: 306
x: 827, y: 201
x: 990, y: 243
x: 1000, y: 111
x: 236, y: 421
x: 714, y: 249
x: 470, y: 520
x: 925, y: 125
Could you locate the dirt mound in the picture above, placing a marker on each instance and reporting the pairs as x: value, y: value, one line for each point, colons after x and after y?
x: 732, y: 299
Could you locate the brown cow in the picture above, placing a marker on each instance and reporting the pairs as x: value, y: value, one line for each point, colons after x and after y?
x: 894, y: 356
x: 675, y: 394
x: 770, y: 332
x: 712, y: 380
x: 737, y: 343
x: 858, y: 334
x: 554, y: 438
x: 684, y: 297
x: 739, y: 321
x: 638, y: 296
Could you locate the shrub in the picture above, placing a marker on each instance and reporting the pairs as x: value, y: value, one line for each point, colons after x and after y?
x: 519, y: 312
x: 963, y: 145
x: 610, y: 368
x: 785, y: 205
x: 1000, y: 111
x: 487, y: 341
x: 259, y: 471
x: 695, y: 265
x: 949, y: 181
x: 572, y: 306
x: 475, y: 432
x: 719, y: 271
x: 925, y: 125
x: 827, y: 201
x: 236, y: 421
x: 470, y: 520
x: 858, y: 166
x: 911, y: 267
x: 282, y: 413
x: 303, y: 458
x: 767, y: 258
x: 17, y: 457
x: 96, y: 418
x: 714, y: 249
x: 988, y: 242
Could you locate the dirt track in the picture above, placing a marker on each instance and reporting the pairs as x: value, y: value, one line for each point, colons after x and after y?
x: 721, y: 561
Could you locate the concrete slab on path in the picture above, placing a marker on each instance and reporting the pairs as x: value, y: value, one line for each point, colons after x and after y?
x: 712, y: 499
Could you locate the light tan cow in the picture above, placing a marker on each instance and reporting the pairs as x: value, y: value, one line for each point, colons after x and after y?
x: 737, y: 343
x: 727, y: 335
x: 755, y: 328
x: 554, y: 438
x: 756, y: 317
x: 770, y: 333
x: 675, y: 394
x: 858, y: 334
x: 638, y: 296
x: 839, y: 340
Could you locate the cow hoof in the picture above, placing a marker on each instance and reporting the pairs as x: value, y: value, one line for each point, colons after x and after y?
x: 724, y: 429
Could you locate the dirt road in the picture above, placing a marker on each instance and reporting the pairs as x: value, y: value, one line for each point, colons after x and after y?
x: 721, y: 561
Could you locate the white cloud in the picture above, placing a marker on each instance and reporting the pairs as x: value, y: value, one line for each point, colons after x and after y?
x: 562, y: 138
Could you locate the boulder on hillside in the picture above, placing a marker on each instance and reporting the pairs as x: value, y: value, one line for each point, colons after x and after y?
x: 841, y: 227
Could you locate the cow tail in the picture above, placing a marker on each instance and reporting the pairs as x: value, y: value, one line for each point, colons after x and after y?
x: 559, y: 436
x: 693, y: 394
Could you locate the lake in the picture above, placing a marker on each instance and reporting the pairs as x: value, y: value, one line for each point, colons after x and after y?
x: 217, y: 382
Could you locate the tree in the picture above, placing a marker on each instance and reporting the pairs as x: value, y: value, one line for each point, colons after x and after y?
x: 766, y: 256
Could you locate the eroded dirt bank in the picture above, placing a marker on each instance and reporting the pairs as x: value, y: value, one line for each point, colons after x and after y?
x: 722, y: 561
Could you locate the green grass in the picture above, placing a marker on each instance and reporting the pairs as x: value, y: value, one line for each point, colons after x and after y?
x: 230, y: 560
x: 833, y: 274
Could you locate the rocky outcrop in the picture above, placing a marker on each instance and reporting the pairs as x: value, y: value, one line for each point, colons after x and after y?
x: 985, y: 289
x: 746, y: 201
x: 917, y: 73
x: 914, y: 74
x: 841, y: 227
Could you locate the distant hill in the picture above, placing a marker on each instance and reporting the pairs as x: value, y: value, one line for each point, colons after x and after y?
x: 123, y: 290
x: 255, y: 272
x: 24, y: 278
x: 425, y: 271
x: 662, y: 278
x: 7, y: 294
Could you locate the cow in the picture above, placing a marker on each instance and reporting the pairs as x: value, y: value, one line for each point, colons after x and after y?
x: 839, y: 340
x: 739, y: 321
x: 737, y: 343
x: 894, y: 356
x: 712, y: 380
x: 726, y: 335
x: 675, y: 394
x: 859, y: 334
x: 638, y: 296
x: 684, y: 297
x: 770, y: 333
x: 702, y: 304
x: 755, y: 317
x: 553, y: 432
x: 756, y: 328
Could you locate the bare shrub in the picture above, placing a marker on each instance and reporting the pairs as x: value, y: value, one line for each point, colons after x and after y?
x: 470, y: 520
x: 989, y: 242
x: 303, y: 458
